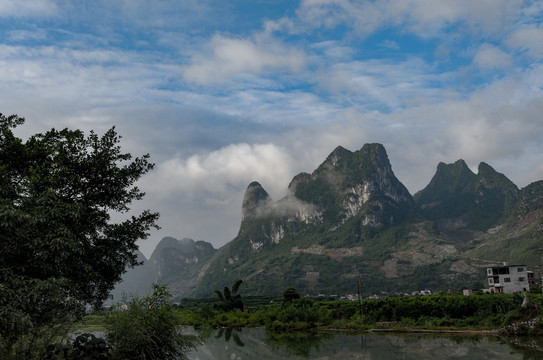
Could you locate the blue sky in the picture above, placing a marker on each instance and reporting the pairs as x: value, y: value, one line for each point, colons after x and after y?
x: 224, y: 93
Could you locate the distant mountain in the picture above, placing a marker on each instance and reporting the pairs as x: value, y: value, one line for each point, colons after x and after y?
x: 177, y: 263
x: 135, y: 282
x: 352, y: 219
x: 330, y: 229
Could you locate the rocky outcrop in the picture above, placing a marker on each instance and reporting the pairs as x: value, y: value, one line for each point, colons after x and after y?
x: 351, y: 218
x: 256, y: 201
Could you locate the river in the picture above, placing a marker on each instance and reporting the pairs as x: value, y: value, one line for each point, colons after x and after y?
x: 257, y: 343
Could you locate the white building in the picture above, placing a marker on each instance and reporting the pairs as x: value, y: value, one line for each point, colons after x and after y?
x: 508, y: 279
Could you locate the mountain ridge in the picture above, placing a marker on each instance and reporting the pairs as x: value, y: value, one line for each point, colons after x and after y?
x: 352, y: 218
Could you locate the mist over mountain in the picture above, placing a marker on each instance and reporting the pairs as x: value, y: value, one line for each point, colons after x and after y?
x: 351, y: 219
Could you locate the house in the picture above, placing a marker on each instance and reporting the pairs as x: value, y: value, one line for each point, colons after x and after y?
x: 507, y: 279
x: 531, y: 279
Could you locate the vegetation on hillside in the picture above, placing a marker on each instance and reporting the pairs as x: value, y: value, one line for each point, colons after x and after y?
x: 437, y: 312
x: 365, y: 225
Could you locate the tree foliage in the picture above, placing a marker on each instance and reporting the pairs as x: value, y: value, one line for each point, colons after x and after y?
x: 230, y: 300
x: 148, y: 329
x: 290, y: 294
x: 61, y: 250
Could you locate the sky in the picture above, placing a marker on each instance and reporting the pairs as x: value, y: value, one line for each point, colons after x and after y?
x: 223, y: 93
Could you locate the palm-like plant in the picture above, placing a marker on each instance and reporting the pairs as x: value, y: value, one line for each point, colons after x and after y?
x: 230, y: 300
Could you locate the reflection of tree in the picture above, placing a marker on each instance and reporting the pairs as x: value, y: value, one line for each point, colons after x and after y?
x: 531, y: 347
x: 298, y: 343
x: 230, y: 333
x: 459, y: 339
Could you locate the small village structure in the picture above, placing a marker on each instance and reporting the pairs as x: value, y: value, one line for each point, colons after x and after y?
x: 509, y: 279
x: 506, y: 279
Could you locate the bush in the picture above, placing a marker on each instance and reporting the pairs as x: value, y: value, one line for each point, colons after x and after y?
x: 148, y: 329
x: 85, y: 346
x: 290, y: 294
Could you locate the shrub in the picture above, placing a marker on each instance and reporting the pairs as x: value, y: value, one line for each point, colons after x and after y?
x: 290, y: 294
x: 85, y: 346
x: 148, y: 329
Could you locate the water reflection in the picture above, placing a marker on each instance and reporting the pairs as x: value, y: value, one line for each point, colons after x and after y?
x: 241, y: 344
x: 297, y: 343
x: 230, y: 333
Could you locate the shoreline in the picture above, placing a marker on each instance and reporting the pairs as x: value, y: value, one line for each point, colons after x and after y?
x: 494, y: 332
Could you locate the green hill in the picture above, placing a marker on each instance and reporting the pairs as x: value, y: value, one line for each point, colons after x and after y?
x: 352, y: 219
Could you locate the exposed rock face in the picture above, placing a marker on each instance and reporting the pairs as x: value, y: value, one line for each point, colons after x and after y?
x: 347, y: 184
x: 255, y: 202
x: 353, y: 219
x: 531, y: 198
x: 355, y: 194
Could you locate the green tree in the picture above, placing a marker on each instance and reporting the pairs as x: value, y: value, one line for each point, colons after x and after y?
x: 61, y: 251
x: 229, y: 300
x: 148, y: 329
x: 290, y: 294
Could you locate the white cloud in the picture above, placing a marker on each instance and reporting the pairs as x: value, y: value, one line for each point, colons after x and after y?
x: 427, y: 18
x: 200, y: 196
x: 489, y: 57
x: 27, y: 8
x: 228, y: 58
x: 529, y: 39
x: 488, y: 16
x: 282, y: 103
x: 22, y: 35
x: 385, y: 84
x: 218, y: 172
x: 389, y: 44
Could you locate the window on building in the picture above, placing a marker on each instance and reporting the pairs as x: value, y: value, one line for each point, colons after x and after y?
x: 506, y: 279
x: 491, y: 281
x: 521, y: 279
x: 489, y: 271
x: 520, y: 269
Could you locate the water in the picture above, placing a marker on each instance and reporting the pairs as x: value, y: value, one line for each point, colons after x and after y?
x: 248, y: 344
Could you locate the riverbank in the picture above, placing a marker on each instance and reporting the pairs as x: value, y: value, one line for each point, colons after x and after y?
x: 483, y: 313
x: 500, y: 317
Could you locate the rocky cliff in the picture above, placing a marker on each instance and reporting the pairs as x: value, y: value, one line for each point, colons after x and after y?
x: 352, y: 219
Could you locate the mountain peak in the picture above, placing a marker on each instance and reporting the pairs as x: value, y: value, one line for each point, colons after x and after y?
x: 337, y: 158
x: 377, y: 150
x: 453, y: 176
x: 476, y: 202
x: 340, y: 152
x: 352, y: 216
x: 255, y: 198
x: 169, y: 242
x: 485, y: 168
x: 458, y: 167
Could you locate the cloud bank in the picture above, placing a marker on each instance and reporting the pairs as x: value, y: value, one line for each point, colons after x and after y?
x: 221, y: 94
